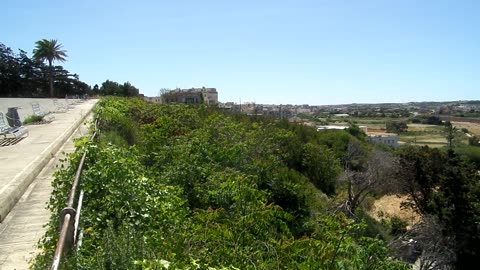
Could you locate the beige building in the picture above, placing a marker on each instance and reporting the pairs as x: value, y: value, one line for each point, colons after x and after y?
x: 203, y: 95
x: 390, y: 139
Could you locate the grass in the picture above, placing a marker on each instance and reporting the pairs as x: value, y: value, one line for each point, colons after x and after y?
x: 32, y: 119
x: 424, y: 128
x: 389, y: 206
x: 370, y: 120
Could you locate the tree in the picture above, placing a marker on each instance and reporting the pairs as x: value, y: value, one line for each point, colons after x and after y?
x: 451, y: 132
x: 444, y: 185
x: 362, y: 177
x: 128, y: 90
x: 111, y: 88
x: 396, y: 126
x: 321, y: 167
x: 162, y: 93
x: 9, y: 70
x: 22, y: 76
x: 51, y: 51
x: 433, y: 120
x: 355, y: 131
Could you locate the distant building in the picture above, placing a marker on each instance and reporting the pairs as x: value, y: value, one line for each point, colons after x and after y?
x: 202, y: 95
x: 320, y: 128
x: 153, y: 99
x: 332, y: 127
x: 390, y: 139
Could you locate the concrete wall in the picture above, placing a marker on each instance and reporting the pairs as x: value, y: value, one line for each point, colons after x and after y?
x: 25, y: 105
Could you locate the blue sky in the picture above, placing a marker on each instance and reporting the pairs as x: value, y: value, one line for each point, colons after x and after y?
x: 282, y: 52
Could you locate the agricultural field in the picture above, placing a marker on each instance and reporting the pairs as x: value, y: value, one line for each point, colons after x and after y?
x: 373, y: 124
x: 422, y: 134
x: 417, y: 134
x: 473, y: 128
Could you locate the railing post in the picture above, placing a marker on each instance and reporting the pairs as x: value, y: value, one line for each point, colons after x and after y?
x: 69, y: 237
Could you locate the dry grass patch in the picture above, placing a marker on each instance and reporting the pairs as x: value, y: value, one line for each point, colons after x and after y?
x: 389, y: 206
x: 473, y: 128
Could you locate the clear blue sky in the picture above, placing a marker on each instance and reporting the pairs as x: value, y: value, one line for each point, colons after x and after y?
x: 282, y: 52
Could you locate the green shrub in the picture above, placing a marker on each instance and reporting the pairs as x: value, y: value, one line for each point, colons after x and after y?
x: 32, y: 119
x: 473, y: 141
x: 472, y: 152
x: 398, y: 226
x: 374, y: 228
x: 184, y: 187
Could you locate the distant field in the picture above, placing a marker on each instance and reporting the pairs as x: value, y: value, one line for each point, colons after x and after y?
x: 373, y: 121
x: 425, y: 128
x: 428, y: 140
x: 418, y: 134
x: 473, y: 128
x: 373, y: 124
x: 434, y: 136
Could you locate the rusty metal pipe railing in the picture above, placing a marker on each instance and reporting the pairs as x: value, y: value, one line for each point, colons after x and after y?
x: 60, y: 244
x: 69, y: 217
x: 71, y: 197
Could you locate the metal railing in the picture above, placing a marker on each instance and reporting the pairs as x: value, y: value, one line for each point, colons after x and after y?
x: 69, y: 216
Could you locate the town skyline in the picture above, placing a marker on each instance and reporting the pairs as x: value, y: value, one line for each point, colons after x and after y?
x: 166, y: 90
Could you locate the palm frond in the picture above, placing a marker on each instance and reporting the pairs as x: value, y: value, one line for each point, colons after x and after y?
x: 49, y: 50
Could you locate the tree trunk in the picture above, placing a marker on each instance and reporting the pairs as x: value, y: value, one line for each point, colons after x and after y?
x: 50, y: 77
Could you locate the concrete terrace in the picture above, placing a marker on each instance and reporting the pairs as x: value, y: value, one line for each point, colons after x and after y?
x: 26, y: 170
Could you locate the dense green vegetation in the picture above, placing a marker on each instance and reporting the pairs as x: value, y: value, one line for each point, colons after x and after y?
x: 182, y: 187
x: 24, y: 76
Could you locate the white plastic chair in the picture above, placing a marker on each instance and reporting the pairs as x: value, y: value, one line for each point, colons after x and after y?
x: 38, y: 112
x: 11, y: 132
x: 59, y: 108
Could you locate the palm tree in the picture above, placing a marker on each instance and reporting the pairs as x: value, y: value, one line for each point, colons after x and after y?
x: 52, y: 51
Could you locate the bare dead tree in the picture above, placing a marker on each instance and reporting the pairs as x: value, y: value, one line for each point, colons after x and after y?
x: 426, y: 245
x: 163, y: 92
x: 361, y: 181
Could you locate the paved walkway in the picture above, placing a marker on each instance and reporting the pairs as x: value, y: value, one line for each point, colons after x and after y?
x: 26, y: 171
